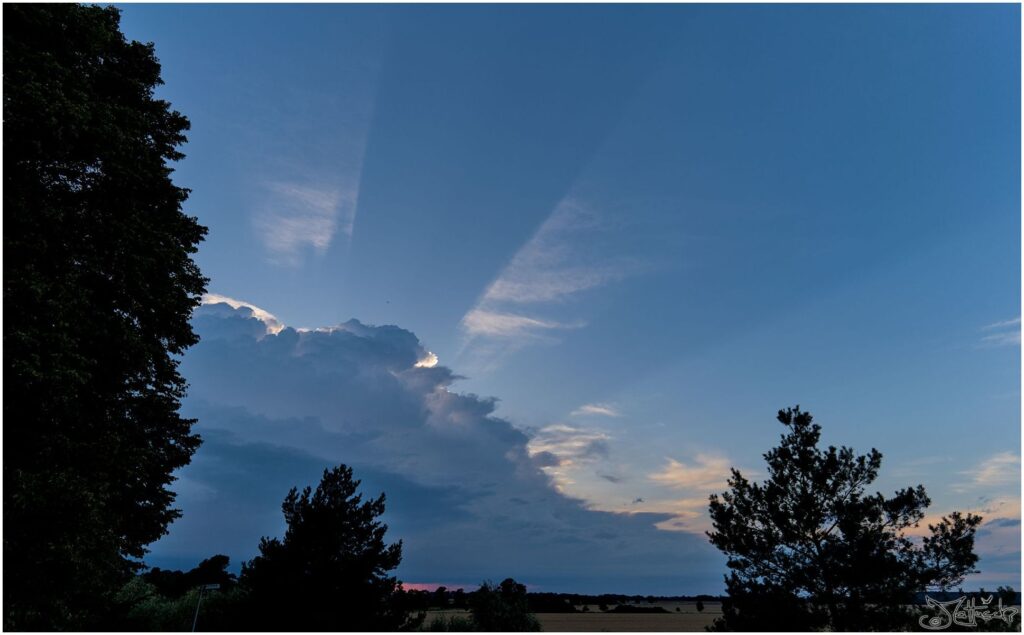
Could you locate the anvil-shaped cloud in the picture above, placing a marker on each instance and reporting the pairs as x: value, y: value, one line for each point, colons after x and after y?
x: 464, y: 493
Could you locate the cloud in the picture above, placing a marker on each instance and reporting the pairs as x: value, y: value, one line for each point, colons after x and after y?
x: 553, y: 265
x: 272, y: 324
x: 1005, y: 333
x: 304, y: 184
x: 999, y: 537
x: 602, y: 409
x: 561, y: 450
x: 1011, y: 338
x: 1000, y: 469
x: 572, y: 252
x: 468, y: 492
x: 428, y: 361
x: 688, y: 515
x: 298, y: 217
x: 1004, y: 324
x: 508, y: 325
x: 569, y: 444
x: 707, y: 472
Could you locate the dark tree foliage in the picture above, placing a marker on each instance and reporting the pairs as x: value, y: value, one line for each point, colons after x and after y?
x: 502, y: 608
x: 165, y: 600
x: 631, y: 608
x: 809, y: 550
x: 414, y: 601
x: 441, y: 597
x: 551, y: 603
x: 1007, y: 595
x: 174, y: 584
x: 99, y: 285
x: 330, y: 573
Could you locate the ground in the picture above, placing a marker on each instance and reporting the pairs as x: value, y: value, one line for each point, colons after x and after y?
x: 686, y: 619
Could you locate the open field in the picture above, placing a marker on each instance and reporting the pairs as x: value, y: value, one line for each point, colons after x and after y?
x: 686, y: 619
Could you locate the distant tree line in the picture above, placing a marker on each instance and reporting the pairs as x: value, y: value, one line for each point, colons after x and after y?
x: 330, y: 572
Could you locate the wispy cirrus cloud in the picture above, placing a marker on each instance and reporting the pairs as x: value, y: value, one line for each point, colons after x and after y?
x: 1004, y: 333
x: 579, y: 461
x: 304, y: 158
x: 298, y: 217
x: 569, y: 444
x: 998, y: 470
x: 693, y: 481
x: 563, y: 452
x: 689, y: 514
x: 567, y: 256
x: 510, y: 325
x: 554, y: 265
x: 705, y: 472
x: 599, y: 409
x: 1004, y: 324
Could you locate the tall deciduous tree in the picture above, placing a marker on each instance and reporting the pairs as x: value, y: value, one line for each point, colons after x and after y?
x: 809, y: 549
x: 99, y: 285
x: 330, y: 572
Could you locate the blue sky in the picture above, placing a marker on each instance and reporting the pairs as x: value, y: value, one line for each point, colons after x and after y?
x: 642, y: 230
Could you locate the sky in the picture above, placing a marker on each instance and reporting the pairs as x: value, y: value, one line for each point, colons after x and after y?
x: 545, y: 273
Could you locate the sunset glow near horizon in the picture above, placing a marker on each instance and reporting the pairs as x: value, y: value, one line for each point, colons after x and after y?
x: 544, y: 274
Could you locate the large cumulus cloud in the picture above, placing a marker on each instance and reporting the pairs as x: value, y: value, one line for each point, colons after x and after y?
x: 277, y: 405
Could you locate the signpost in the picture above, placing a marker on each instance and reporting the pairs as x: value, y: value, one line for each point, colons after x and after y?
x: 205, y: 587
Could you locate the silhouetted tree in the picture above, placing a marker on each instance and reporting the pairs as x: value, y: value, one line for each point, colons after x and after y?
x: 1007, y: 595
x: 810, y: 550
x: 459, y: 598
x: 330, y: 572
x: 700, y: 606
x: 174, y: 584
x: 502, y: 608
x: 551, y: 603
x: 99, y: 285
x: 441, y: 596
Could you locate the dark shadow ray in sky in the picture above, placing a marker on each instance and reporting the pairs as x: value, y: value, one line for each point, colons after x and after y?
x: 495, y: 124
x: 815, y: 209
